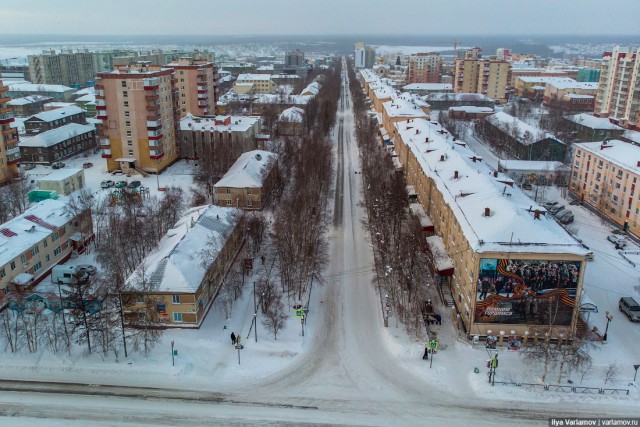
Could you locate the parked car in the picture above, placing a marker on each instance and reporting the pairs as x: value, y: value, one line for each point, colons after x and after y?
x: 567, y: 218
x: 549, y: 204
x: 590, y: 256
x: 87, y: 165
x: 134, y: 184
x: 558, y: 214
x: 630, y: 307
x: 87, y: 268
x: 28, y: 166
x: 526, y: 186
x: 555, y: 208
x: 121, y: 184
x: 619, y: 241
x: 57, y: 165
x: 107, y: 183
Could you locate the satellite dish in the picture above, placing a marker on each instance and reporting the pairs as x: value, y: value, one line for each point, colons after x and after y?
x: 258, y: 157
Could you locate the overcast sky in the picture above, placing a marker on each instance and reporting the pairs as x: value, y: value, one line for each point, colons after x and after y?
x: 317, y: 17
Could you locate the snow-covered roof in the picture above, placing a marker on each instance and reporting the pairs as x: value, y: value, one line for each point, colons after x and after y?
x: 384, y: 92
x: 55, y: 136
x: 530, y: 165
x: 574, y: 85
x: 293, y: 114
x: 253, y: 77
x: 247, y: 171
x: 86, y: 91
x: 237, y: 123
x: 523, y: 132
x: 35, y: 224
x: 433, y: 87
x: 90, y: 97
x: 176, y: 264
x: 401, y: 108
x: 632, y: 135
x: 472, y: 109
x: 593, y: 122
x: 546, y: 79
x: 511, y: 226
x: 33, y: 87
x: 618, y: 152
x: 60, y: 174
x: 457, y: 97
x: 26, y: 100
x: 369, y: 76
x: 57, y: 114
x: 267, y: 98
x: 313, y: 88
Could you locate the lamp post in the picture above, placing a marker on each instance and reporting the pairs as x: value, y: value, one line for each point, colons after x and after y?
x: 386, y: 311
x: 606, y: 329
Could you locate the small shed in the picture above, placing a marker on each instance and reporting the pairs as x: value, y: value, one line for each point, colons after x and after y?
x: 63, y: 181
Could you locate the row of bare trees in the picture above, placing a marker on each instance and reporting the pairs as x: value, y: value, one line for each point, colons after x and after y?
x: 399, y: 245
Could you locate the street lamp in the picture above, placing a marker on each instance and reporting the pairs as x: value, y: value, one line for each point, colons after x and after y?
x: 606, y: 329
x: 386, y: 310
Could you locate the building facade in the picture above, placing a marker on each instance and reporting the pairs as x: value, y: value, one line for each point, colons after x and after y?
x: 136, y: 104
x: 43, y: 236
x: 605, y: 175
x: 69, y: 68
x: 181, y: 279
x: 490, y: 77
x: 254, y: 83
x: 55, y: 118
x: 248, y: 182
x: 424, y: 68
x: 9, y: 150
x: 619, y: 90
x: 28, y: 105
x: 62, y: 181
x: 197, y: 83
x: 58, y: 144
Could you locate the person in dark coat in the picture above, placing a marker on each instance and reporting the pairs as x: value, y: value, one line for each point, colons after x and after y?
x: 438, y: 319
x: 233, y: 338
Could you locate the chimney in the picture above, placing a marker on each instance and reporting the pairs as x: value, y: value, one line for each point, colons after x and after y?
x: 536, y: 214
x: 495, y: 174
x: 487, y: 212
x: 455, y: 174
x: 442, y: 157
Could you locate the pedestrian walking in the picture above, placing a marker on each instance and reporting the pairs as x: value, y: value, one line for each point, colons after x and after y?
x: 233, y: 338
x: 438, y: 319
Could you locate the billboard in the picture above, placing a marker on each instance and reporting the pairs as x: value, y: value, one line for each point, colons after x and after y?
x: 533, y: 292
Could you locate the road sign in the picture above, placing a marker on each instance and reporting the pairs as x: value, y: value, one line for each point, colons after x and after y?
x: 299, y: 313
x: 433, y: 345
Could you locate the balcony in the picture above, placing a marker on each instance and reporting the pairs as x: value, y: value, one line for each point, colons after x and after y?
x: 155, y: 108
x: 102, y: 115
x: 151, y: 83
x: 203, y: 103
x: 101, y: 107
x: 106, y: 154
x: 155, y: 144
x: 153, y: 124
x: 6, y: 116
x: 153, y: 118
x: 156, y: 154
x: 4, y: 88
x: 203, y: 96
x: 154, y: 134
x: 4, y: 100
x: 105, y: 142
x: 152, y: 98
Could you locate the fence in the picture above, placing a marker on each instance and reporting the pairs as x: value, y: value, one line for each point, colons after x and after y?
x: 569, y: 388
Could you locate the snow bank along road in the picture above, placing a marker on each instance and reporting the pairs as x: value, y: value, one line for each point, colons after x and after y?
x: 346, y: 376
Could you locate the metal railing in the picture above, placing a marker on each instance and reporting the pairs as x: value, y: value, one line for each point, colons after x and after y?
x: 569, y: 388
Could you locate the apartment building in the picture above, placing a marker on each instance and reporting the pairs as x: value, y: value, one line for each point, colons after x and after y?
x: 507, y: 266
x: 28, y: 105
x: 248, y: 183
x: 490, y: 77
x: 572, y: 96
x: 294, y: 58
x: 254, y: 83
x: 48, y: 120
x: 140, y: 123
x: 67, y: 67
x: 424, y: 68
x: 592, y: 128
x: 605, y: 175
x: 197, y: 83
x: 43, y: 236
x: 58, y: 143
x: 9, y: 150
x: 618, y: 94
x: 186, y: 270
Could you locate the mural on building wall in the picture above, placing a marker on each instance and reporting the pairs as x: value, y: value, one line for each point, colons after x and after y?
x: 526, y: 291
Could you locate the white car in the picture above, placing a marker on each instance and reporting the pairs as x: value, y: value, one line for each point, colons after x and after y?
x: 87, y: 268
x: 619, y: 241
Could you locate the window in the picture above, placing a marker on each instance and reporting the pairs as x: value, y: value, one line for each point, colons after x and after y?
x: 126, y: 103
x: 130, y: 143
x: 13, y: 263
x: 228, y: 202
x: 175, y: 299
x: 177, y: 317
x: 139, y: 299
x: 35, y: 250
x: 23, y: 259
x: 129, y: 133
x: 127, y: 123
x: 123, y: 83
x: 37, y: 266
x: 48, y: 259
x: 2, y: 273
x: 249, y: 203
x: 57, y: 251
x: 131, y: 152
x: 182, y: 81
x: 249, y: 191
x: 125, y: 94
x: 46, y: 243
x: 62, y: 231
x: 228, y: 191
x: 126, y: 114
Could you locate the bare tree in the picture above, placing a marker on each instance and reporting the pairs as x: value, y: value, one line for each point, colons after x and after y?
x: 274, y: 317
x: 611, y: 373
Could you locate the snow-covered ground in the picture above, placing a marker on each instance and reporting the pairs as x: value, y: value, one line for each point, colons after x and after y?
x: 348, y: 368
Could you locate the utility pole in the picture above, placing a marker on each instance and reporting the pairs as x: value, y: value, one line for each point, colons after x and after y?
x: 255, y: 313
